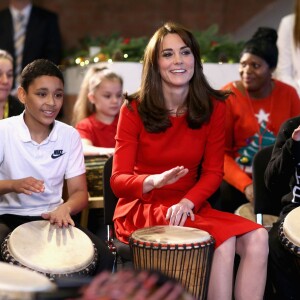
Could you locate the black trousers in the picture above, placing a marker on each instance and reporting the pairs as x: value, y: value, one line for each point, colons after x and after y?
x: 105, y: 258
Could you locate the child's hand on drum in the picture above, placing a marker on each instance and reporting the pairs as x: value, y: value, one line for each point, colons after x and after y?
x: 60, y: 216
x: 28, y: 186
x: 178, y: 213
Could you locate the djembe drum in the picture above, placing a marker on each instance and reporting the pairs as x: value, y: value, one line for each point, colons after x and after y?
x: 21, y: 283
x: 289, y: 234
x: 94, y: 174
x: 52, y: 251
x: 247, y: 211
x: 182, y: 253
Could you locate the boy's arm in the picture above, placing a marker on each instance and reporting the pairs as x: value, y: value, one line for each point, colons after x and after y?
x: 77, y: 201
x: 26, y: 185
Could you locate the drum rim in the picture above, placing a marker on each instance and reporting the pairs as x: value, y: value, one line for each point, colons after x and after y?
x: 83, y: 269
x: 171, y: 246
x: 286, y: 242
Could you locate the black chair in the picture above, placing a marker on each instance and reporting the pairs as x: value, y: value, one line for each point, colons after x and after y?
x: 265, y: 202
x: 121, y: 251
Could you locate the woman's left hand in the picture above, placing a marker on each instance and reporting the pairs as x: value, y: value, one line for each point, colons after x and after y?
x: 178, y: 213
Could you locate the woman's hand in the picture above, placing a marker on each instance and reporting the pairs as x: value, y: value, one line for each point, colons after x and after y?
x: 156, y: 181
x: 178, y: 213
x: 60, y: 216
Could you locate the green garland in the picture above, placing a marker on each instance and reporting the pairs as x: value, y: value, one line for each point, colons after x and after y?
x: 215, y: 48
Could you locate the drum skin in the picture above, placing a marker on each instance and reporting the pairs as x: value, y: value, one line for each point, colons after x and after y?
x: 50, y: 250
x: 20, y: 283
x: 247, y: 211
x: 182, y: 253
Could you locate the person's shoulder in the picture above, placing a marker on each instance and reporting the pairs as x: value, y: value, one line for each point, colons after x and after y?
x: 290, y: 124
x: 287, y: 20
x: 11, y: 122
x: 43, y: 12
x: 131, y: 105
x: 228, y: 86
x: 280, y: 85
x: 86, y: 122
x: 64, y: 127
x: 4, y: 11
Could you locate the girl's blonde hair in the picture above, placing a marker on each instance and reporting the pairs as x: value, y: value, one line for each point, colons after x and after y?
x: 93, y: 77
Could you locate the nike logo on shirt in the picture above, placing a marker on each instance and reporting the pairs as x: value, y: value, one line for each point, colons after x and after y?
x: 57, y: 154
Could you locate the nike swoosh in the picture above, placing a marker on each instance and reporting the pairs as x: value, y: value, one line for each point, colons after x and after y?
x: 54, y: 156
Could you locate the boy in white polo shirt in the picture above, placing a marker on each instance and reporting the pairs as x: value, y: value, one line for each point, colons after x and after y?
x: 37, y: 153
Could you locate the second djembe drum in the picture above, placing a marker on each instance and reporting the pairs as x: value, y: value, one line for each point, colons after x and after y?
x: 182, y: 253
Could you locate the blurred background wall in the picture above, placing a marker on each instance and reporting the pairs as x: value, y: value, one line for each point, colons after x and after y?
x: 134, y: 18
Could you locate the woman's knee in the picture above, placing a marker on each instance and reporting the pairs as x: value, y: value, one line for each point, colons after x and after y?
x: 254, y: 243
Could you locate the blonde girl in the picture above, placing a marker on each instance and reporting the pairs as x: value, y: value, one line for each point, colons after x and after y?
x: 9, y: 105
x: 96, y: 111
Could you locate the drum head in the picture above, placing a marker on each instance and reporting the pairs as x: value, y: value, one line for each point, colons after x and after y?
x: 291, y: 226
x: 17, y: 279
x: 247, y: 211
x: 46, y: 248
x: 171, y: 235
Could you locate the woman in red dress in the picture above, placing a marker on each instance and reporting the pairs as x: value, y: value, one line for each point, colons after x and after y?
x: 169, y: 160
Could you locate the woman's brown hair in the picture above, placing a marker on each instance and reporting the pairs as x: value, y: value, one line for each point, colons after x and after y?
x: 152, y: 108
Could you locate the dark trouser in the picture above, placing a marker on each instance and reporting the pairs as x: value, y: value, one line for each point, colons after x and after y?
x: 230, y: 198
x: 105, y: 259
x: 282, y: 267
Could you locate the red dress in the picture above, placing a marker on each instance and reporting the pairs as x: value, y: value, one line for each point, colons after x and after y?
x: 139, y: 153
x: 100, y: 134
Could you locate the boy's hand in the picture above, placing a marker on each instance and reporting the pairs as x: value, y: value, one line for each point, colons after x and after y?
x: 60, y: 216
x: 28, y: 185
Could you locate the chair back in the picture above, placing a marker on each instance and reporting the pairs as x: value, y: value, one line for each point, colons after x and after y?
x: 109, y: 198
x: 264, y: 201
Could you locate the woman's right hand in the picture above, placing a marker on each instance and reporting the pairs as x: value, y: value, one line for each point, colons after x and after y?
x: 156, y: 181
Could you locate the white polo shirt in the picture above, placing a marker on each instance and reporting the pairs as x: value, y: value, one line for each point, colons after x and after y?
x: 59, y: 156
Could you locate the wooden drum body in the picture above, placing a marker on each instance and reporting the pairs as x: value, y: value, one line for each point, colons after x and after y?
x: 20, y: 283
x: 94, y: 174
x: 182, y: 253
x: 49, y: 250
x: 289, y: 234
